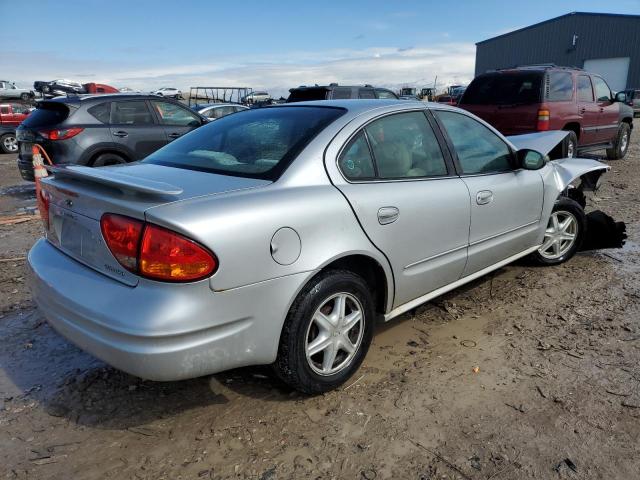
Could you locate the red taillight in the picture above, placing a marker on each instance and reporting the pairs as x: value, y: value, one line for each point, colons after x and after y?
x: 166, y: 255
x: 155, y: 252
x: 61, y: 134
x: 122, y: 235
x: 543, y: 120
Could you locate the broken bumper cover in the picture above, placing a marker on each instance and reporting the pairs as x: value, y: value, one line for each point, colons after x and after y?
x: 157, y: 331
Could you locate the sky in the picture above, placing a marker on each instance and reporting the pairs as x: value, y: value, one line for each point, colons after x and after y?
x: 264, y: 45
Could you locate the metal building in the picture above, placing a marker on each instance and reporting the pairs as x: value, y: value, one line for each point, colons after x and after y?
x: 602, y: 43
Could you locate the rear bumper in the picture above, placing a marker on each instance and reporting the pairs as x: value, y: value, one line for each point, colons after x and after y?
x: 26, y: 169
x: 155, y: 330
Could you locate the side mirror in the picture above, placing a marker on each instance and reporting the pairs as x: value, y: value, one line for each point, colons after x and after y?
x: 620, y: 97
x: 531, y: 159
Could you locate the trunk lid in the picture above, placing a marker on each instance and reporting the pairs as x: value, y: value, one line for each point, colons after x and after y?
x: 79, y: 196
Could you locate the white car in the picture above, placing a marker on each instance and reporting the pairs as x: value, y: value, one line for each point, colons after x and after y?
x: 219, y: 110
x: 255, y: 97
x: 168, y: 92
x: 9, y: 90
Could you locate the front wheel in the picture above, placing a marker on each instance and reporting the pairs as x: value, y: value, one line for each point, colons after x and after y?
x: 564, y: 234
x: 25, y: 97
x: 106, y: 159
x: 327, y: 332
x: 620, y: 143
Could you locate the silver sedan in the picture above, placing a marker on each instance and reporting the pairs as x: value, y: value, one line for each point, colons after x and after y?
x: 281, y: 235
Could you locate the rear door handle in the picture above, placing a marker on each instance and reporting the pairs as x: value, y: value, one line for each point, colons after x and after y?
x: 121, y: 133
x: 388, y: 215
x: 484, y: 196
x: 174, y: 135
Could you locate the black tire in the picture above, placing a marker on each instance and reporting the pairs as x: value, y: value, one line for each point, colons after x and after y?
x: 570, y: 145
x: 563, y: 208
x: 105, y: 159
x: 25, y: 97
x: 6, y: 140
x: 620, y: 144
x: 291, y: 364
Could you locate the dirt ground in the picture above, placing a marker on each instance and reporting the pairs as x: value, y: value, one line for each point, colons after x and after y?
x: 527, y: 373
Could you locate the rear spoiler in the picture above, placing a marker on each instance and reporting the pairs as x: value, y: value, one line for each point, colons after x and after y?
x: 542, y: 142
x: 108, y: 176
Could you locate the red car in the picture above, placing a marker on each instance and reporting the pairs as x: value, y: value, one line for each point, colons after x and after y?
x: 11, y: 115
x: 539, y: 98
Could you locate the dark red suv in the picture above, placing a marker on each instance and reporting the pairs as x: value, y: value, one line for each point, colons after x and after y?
x: 539, y: 98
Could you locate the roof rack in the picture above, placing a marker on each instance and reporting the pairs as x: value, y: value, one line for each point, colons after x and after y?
x: 535, y: 66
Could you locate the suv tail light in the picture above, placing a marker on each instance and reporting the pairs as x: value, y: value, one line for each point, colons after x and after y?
x: 543, y: 120
x: 60, y: 134
x: 155, y: 252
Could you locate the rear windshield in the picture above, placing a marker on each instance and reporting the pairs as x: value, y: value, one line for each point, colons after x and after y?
x: 307, y: 94
x: 514, y: 88
x: 258, y: 143
x: 46, y: 114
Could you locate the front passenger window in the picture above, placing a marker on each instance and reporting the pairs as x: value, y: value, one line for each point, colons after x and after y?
x: 171, y: 114
x: 479, y: 150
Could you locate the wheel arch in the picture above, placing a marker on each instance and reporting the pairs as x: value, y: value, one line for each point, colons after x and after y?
x: 573, y: 127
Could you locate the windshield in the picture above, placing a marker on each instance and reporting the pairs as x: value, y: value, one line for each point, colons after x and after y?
x: 257, y: 143
x: 511, y: 88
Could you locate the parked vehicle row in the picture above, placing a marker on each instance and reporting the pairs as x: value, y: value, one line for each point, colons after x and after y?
x: 8, y: 91
x: 541, y: 98
x: 333, y: 214
x: 334, y: 91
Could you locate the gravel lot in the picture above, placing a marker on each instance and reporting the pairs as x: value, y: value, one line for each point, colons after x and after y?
x: 555, y: 393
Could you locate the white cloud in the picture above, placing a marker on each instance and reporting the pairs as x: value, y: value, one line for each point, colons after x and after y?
x: 380, y: 66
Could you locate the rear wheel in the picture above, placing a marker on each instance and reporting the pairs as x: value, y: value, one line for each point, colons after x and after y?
x: 8, y: 143
x: 571, y: 145
x: 620, y: 143
x: 24, y: 97
x: 105, y: 159
x: 564, y: 234
x: 327, y: 332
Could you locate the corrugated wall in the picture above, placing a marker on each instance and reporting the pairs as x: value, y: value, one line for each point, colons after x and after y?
x: 599, y: 36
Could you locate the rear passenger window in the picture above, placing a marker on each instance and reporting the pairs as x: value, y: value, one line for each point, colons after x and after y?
x: 479, y: 150
x: 404, y: 146
x: 131, y: 113
x: 356, y: 162
x: 341, y: 93
x: 585, y: 90
x: 560, y: 87
x: 101, y: 112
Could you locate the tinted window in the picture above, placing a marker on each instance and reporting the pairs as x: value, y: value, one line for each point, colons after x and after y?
x: 560, y: 86
x: 404, y: 145
x: 603, y: 92
x: 101, y: 112
x: 4, y: 109
x: 356, y: 162
x: 382, y: 93
x: 341, y: 93
x: 172, y: 114
x: 131, y: 113
x: 259, y: 143
x: 479, y: 150
x: 585, y: 90
x: 304, y: 94
x: 366, y: 93
x: 504, y: 89
x: 47, y: 113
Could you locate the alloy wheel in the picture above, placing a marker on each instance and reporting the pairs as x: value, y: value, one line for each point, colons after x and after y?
x: 571, y: 150
x: 560, y: 235
x: 624, y: 142
x: 334, y: 334
x: 10, y: 144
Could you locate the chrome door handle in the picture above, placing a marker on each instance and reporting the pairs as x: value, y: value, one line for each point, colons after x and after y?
x: 484, y: 196
x: 174, y: 135
x: 120, y: 133
x: 388, y: 215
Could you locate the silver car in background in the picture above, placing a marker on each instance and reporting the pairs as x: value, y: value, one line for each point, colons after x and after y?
x: 280, y: 235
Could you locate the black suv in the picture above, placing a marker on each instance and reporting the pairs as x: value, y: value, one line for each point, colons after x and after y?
x: 106, y: 129
x: 334, y: 91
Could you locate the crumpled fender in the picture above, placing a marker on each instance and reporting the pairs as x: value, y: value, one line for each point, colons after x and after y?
x: 557, y: 175
x: 542, y: 142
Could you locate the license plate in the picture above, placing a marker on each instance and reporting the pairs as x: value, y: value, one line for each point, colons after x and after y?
x: 66, y: 230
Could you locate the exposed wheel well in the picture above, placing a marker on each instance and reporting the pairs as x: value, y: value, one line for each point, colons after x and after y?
x: 629, y: 121
x: 370, y: 270
x: 573, y: 127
